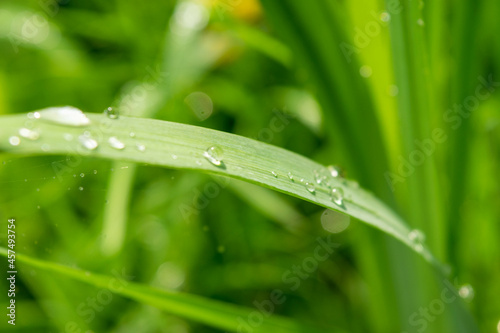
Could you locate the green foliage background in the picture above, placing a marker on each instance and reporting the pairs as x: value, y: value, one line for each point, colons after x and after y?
x: 347, y: 83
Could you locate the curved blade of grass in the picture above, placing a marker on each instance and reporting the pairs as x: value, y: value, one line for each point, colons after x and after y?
x: 183, y: 146
x: 199, y: 309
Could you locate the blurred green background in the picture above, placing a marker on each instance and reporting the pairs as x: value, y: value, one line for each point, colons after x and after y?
x: 362, y: 84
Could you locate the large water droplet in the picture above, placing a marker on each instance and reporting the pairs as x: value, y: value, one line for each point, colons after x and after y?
x: 338, y: 195
x: 87, y: 141
x: 29, y: 134
x: 14, y: 140
x: 66, y: 115
x: 111, y: 113
x: 214, y: 155
x: 115, y: 143
x: 310, y: 187
x: 466, y: 292
x: 334, y: 222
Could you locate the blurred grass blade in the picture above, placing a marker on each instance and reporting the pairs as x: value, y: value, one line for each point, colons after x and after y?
x: 183, y: 146
x: 199, y: 309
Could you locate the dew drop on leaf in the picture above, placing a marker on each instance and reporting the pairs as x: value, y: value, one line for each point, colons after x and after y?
x: 214, y: 155
x: 14, y: 140
x: 335, y: 171
x: 29, y: 134
x: 111, y: 113
x: 310, y: 187
x: 140, y: 147
x: 88, y: 142
x: 114, y: 142
x: 338, y: 195
x: 66, y: 115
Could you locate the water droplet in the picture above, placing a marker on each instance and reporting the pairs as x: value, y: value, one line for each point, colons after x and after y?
x: 214, y: 155
x: 174, y: 156
x: 115, y: 143
x: 66, y: 115
x: 416, y: 236
x: 87, y: 141
x: 318, y: 177
x: 466, y: 292
x: 420, y: 22
x: 45, y: 147
x: 334, y: 222
x: 365, y: 71
x: 310, y: 187
x: 14, y: 140
x: 25, y: 180
x: 132, y: 134
x: 68, y: 137
x: 81, y: 188
x: 111, y: 113
x: 38, y: 207
x: 33, y: 115
x: 38, y: 190
x: 198, y: 162
x: 82, y: 175
x: 29, y: 134
x: 140, y: 147
x: 274, y: 174
x: 385, y: 17
x: 335, y: 171
x: 290, y: 176
x: 95, y: 172
x: 338, y: 195
x: 87, y: 273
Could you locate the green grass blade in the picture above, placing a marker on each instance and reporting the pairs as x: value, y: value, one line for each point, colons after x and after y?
x: 210, y: 312
x: 183, y: 146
